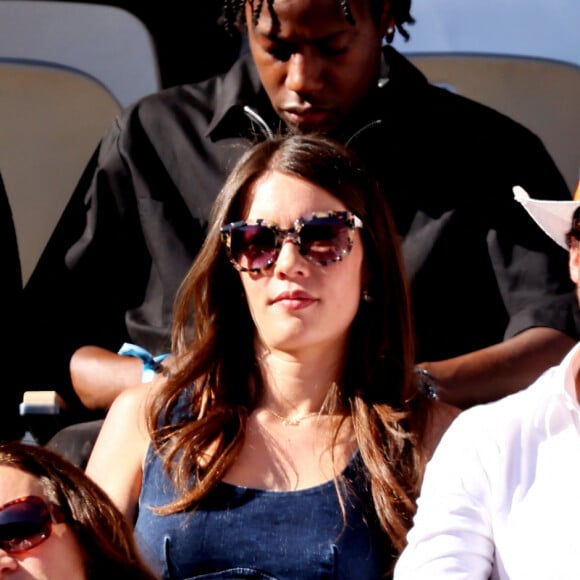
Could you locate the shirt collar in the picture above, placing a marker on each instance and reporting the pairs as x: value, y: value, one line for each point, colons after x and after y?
x: 402, y: 70
x: 569, y: 368
x: 239, y: 86
x: 554, y: 393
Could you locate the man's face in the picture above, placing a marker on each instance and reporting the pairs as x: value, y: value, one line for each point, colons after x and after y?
x: 314, y: 65
x: 574, y: 265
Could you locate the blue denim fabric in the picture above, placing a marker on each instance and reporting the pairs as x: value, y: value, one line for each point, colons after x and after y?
x: 248, y: 533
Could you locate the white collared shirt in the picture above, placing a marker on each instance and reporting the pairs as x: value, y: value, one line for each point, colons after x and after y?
x: 501, y: 495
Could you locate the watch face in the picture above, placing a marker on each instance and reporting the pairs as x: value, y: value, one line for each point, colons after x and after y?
x: 427, y: 384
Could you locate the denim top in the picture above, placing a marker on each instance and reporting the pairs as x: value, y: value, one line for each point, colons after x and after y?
x: 239, y: 532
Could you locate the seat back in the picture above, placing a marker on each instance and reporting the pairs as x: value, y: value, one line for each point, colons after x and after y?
x: 105, y: 42
x: 51, y: 120
x: 541, y: 94
x: 66, y: 70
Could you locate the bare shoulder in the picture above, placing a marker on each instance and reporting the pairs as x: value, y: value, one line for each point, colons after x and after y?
x: 135, y: 399
x: 131, y: 399
x: 118, y: 455
x: 441, y: 415
x: 126, y: 420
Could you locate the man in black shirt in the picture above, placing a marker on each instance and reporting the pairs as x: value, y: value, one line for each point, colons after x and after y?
x: 11, y: 291
x: 492, y: 300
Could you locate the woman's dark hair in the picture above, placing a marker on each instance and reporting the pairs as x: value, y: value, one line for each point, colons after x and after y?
x: 234, y: 12
x: 217, y: 384
x: 102, y: 531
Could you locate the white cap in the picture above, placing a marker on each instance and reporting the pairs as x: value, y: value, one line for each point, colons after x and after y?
x: 554, y: 217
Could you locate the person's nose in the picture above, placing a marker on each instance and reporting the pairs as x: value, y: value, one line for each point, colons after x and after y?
x: 290, y: 262
x: 304, y: 73
x: 7, y: 564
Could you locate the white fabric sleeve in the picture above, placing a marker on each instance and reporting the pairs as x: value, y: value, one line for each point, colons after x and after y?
x: 451, y: 536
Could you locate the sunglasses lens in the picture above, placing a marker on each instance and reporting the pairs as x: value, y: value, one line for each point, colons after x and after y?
x: 253, y: 247
x: 325, y: 239
x: 24, y: 524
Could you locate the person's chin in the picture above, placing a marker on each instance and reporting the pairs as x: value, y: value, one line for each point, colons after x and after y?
x: 315, y: 122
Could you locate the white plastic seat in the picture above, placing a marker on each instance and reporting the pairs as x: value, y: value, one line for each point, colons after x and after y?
x: 66, y: 70
x: 105, y: 42
x: 52, y: 120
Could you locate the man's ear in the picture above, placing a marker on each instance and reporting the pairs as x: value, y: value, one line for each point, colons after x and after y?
x: 574, y: 261
x: 387, y: 19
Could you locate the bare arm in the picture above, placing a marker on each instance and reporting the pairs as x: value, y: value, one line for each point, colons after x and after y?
x: 116, y: 462
x: 99, y: 375
x: 441, y: 416
x: 493, y: 372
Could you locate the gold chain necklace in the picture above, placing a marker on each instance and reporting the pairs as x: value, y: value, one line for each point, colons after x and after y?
x: 292, y: 421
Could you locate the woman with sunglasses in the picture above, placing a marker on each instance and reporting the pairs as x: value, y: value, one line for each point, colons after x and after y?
x: 55, y: 523
x: 289, y: 438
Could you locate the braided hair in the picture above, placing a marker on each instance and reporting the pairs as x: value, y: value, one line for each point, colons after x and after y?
x: 234, y: 16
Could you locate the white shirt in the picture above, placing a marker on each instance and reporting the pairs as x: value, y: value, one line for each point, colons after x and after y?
x: 501, y: 495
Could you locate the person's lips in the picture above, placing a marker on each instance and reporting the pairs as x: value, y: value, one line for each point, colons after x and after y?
x: 307, y: 116
x: 294, y: 300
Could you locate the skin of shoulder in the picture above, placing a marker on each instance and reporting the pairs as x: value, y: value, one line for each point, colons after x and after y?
x: 440, y: 417
x: 116, y: 462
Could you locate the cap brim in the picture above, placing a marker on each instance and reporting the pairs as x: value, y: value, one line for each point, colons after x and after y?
x: 554, y: 217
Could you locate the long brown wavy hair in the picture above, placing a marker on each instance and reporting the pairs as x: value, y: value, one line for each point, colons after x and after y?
x: 104, y: 534
x: 198, y: 420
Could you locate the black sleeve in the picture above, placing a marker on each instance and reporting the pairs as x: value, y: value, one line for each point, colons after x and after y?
x: 88, y: 273
x: 531, y: 270
x: 12, y: 292
x: 12, y: 281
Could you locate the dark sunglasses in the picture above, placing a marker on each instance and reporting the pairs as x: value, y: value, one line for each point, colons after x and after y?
x: 25, y: 523
x: 322, y: 238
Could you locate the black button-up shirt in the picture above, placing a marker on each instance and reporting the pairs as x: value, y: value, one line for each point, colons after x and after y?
x: 480, y: 270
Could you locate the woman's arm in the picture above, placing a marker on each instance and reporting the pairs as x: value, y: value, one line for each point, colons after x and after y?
x: 116, y: 462
x: 501, y: 369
